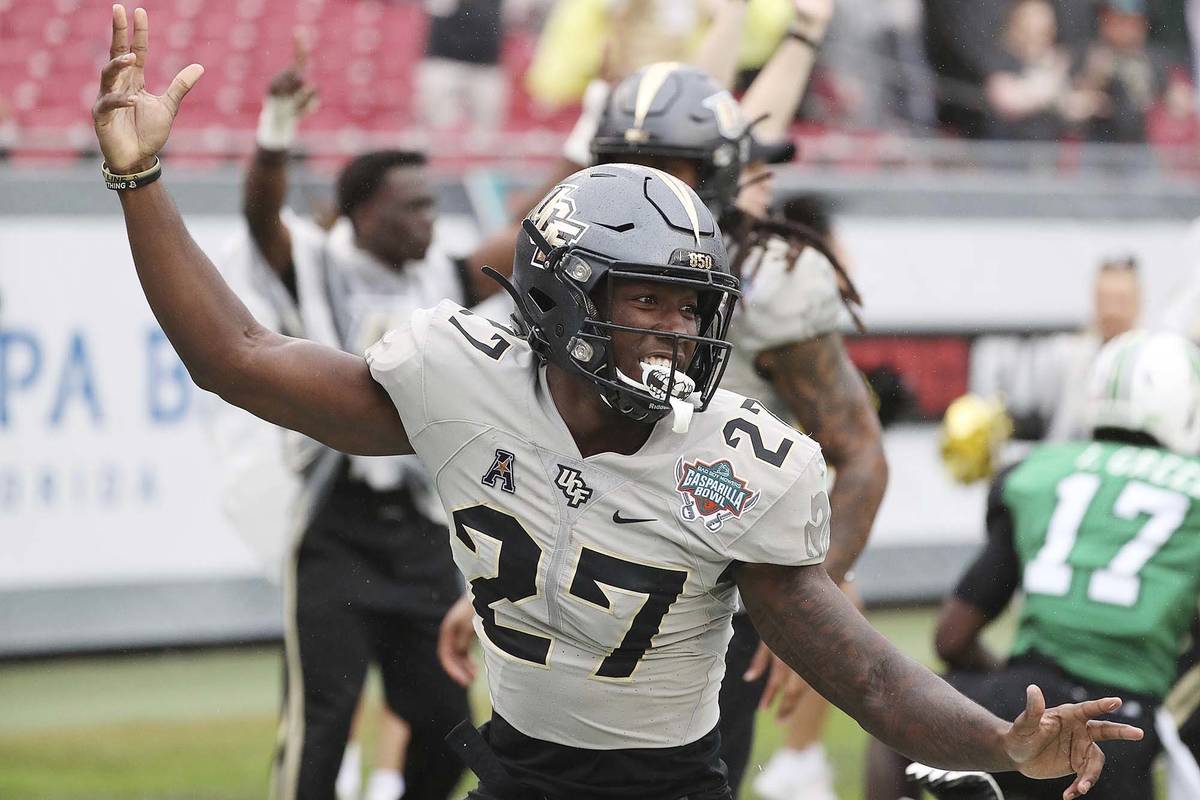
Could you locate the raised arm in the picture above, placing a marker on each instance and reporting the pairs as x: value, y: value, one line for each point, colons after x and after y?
x: 721, y: 47
x: 319, y: 391
x: 829, y: 399
x: 289, y: 97
x: 808, y: 622
x: 779, y: 87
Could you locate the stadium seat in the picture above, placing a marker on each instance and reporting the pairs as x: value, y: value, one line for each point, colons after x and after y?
x: 364, y: 62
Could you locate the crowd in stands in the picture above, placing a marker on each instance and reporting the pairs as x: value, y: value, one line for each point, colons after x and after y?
x: 1095, y: 70
x: 1105, y: 71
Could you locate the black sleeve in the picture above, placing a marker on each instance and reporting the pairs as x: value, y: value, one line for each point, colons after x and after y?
x: 990, y: 582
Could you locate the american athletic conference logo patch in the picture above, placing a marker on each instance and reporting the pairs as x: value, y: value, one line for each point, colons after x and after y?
x: 502, y: 473
x: 711, y: 493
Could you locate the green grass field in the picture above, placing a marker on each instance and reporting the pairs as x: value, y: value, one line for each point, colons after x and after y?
x: 202, y: 724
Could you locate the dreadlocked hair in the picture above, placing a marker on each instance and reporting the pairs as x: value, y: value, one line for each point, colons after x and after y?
x: 750, y: 233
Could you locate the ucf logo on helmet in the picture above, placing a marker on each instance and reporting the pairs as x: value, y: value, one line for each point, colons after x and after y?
x: 555, y: 219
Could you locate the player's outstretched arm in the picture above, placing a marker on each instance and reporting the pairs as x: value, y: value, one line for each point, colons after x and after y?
x: 719, y: 50
x: 777, y: 90
x: 957, y: 637
x: 809, y: 623
x: 289, y: 97
x: 319, y: 391
x: 829, y: 399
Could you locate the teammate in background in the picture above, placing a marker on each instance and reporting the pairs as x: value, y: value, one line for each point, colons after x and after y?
x: 392, y: 737
x: 1178, y: 725
x: 370, y: 576
x: 604, y: 561
x: 799, y: 770
x: 1103, y: 538
x: 788, y: 349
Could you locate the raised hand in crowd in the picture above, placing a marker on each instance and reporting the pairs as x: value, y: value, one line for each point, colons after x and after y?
x: 289, y: 98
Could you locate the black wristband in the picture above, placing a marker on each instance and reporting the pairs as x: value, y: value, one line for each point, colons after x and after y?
x: 123, y: 183
x: 804, y: 38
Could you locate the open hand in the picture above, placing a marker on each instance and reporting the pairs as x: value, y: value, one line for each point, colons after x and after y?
x: 455, y: 638
x: 132, y: 124
x: 1062, y: 740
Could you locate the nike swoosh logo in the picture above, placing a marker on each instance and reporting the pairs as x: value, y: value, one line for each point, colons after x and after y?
x: 617, y: 518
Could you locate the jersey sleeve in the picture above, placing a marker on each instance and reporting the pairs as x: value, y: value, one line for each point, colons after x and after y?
x: 989, y: 583
x: 788, y: 300
x: 306, y: 234
x: 397, y: 363
x: 794, y: 531
x: 451, y: 369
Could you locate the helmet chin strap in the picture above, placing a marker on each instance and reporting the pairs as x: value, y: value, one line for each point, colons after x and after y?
x: 683, y: 398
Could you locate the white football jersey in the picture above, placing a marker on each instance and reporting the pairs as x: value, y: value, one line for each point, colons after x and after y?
x: 784, y: 300
x: 602, y: 585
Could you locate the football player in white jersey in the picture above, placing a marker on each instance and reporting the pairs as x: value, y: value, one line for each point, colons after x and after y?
x: 606, y: 499
x: 788, y: 349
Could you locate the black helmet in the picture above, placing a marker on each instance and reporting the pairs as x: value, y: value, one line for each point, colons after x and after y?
x: 637, y: 223
x: 673, y: 110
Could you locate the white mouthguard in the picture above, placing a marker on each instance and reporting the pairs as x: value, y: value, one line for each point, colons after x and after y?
x: 683, y: 399
x: 681, y: 417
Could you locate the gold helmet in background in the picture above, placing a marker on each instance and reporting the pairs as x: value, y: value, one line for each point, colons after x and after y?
x: 974, y: 429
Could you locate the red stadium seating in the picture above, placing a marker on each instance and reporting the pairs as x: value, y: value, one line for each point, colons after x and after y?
x: 364, y: 62
x: 364, y: 57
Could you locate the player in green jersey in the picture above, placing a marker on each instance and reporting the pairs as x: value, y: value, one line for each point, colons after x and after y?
x: 1103, y: 539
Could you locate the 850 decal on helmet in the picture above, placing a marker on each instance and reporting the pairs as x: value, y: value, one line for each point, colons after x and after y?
x: 624, y: 222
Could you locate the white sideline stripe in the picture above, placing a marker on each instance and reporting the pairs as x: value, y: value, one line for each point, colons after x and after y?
x: 286, y: 775
x: 1183, y: 774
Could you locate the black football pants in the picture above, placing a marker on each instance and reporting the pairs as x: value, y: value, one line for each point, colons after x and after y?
x: 1128, y: 766
x: 336, y: 641
x: 484, y: 793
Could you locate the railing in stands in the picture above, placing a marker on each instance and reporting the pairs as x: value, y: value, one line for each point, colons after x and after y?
x: 838, y: 151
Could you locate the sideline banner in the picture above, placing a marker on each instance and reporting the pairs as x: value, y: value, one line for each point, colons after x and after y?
x: 106, y: 476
